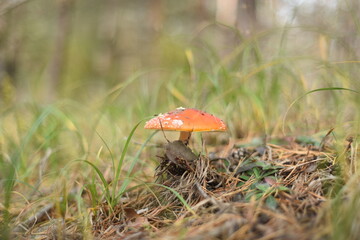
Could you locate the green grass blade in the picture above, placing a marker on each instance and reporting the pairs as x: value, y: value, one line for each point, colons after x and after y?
x: 182, y: 200
x: 309, y: 92
x: 102, y: 178
x: 133, y: 163
x: 109, y: 150
x: 121, y: 161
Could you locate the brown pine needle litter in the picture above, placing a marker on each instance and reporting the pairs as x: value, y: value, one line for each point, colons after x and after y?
x: 266, y: 192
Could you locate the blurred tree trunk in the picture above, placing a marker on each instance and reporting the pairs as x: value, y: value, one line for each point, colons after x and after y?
x: 201, y: 10
x: 156, y: 12
x: 226, y: 11
x: 350, y: 26
x: 58, y: 59
x: 246, y: 18
x: 10, y: 48
x: 237, y: 13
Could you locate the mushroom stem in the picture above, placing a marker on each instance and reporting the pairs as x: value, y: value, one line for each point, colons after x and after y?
x: 184, y: 137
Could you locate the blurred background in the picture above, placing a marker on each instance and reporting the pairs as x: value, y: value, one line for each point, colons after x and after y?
x: 240, y: 59
x: 77, y: 75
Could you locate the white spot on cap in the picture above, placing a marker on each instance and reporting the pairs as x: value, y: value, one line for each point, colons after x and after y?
x: 177, y: 123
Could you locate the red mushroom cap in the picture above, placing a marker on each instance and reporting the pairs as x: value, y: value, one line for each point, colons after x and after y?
x: 186, y: 120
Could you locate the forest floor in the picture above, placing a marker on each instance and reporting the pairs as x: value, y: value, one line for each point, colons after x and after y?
x: 240, y: 191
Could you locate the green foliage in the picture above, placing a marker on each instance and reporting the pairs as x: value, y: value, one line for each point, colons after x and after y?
x: 259, y: 188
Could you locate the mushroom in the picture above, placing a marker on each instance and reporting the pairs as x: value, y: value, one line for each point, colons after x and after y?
x: 186, y: 120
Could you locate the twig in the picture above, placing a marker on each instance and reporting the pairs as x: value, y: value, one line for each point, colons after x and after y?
x: 45, y: 211
x: 31, y: 221
x: 325, y: 138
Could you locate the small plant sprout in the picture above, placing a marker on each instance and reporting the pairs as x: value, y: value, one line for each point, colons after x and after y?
x: 186, y: 120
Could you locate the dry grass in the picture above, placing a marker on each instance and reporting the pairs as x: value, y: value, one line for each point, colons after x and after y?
x: 264, y: 192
